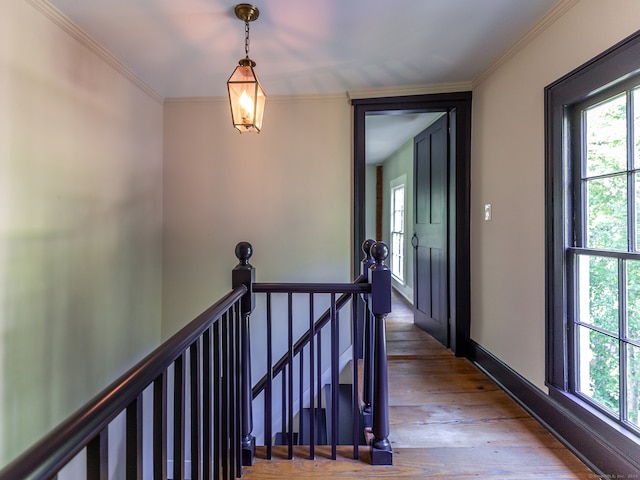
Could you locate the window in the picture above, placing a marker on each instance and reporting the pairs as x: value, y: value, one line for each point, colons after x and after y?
x: 593, y: 243
x: 604, y: 257
x: 397, y: 232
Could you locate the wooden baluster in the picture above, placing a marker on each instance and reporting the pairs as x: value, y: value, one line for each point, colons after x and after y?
x: 367, y: 327
x: 98, y: 456
x: 195, y: 419
x: 134, y: 440
x: 224, y: 392
x: 283, y: 405
x: 216, y: 409
x: 312, y: 391
x: 380, y: 305
x: 290, y: 377
x: 236, y: 388
x: 268, y: 393
x: 335, y: 382
x: 207, y: 405
x: 356, y: 380
x: 300, y: 395
x: 179, y: 416
x: 319, y: 377
x: 160, y: 427
x: 244, y: 274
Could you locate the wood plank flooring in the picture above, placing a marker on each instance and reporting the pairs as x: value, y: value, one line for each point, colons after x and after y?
x: 447, y: 421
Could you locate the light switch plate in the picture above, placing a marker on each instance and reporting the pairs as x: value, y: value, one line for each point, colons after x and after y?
x: 487, y: 212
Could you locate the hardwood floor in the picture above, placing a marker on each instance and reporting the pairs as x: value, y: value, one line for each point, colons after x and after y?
x: 448, y: 421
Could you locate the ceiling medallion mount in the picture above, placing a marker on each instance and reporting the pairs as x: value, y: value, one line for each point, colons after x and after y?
x: 247, y: 12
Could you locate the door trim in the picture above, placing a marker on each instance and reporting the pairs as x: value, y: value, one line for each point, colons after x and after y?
x: 458, y: 105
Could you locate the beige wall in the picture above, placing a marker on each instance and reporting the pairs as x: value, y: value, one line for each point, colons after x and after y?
x: 80, y: 217
x: 286, y: 190
x: 507, y: 285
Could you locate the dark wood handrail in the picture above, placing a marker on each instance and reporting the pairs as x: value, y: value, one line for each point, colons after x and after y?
x: 347, y: 288
x: 359, y: 285
x: 53, y: 451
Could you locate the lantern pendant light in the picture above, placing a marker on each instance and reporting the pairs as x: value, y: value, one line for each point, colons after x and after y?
x: 246, y: 96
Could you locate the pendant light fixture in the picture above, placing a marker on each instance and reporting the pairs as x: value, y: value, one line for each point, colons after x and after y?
x: 246, y: 96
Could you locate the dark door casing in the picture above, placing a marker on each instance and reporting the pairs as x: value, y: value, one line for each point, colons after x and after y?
x: 458, y: 106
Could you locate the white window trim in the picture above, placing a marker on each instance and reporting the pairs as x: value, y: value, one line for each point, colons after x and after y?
x: 393, y: 184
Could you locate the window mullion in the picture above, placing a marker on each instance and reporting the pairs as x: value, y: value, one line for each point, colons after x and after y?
x: 631, y: 177
x: 622, y: 321
x: 573, y: 311
x: 579, y: 149
x: 633, y: 242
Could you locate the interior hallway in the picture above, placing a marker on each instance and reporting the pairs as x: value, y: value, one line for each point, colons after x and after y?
x: 448, y: 420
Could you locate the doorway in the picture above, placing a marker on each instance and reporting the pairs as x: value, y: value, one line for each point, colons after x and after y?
x: 458, y: 114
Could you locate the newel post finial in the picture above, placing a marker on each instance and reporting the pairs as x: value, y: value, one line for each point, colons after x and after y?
x: 245, y: 274
x: 367, y: 261
x: 380, y: 252
x: 380, y: 298
x: 244, y: 251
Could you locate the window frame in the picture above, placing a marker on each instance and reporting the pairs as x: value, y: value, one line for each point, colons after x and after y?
x: 581, y: 248
x: 398, y: 182
x: 613, y: 67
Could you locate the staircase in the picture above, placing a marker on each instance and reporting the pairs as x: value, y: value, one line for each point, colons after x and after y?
x: 322, y: 429
x: 205, y: 370
x: 301, y: 406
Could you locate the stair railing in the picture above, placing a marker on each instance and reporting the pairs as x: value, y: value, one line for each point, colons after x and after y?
x: 210, y: 362
x: 211, y: 346
x: 370, y: 407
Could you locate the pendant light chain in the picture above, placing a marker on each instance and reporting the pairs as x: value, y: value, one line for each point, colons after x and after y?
x: 246, y: 38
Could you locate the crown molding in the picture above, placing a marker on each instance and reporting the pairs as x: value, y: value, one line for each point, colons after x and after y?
x: 545, y: 22
x: 308, y: 98
x: 57, y: 17
x: 346, y: 96
x: 202, y: 99
x: 270, y: 98
x: 409, y: 90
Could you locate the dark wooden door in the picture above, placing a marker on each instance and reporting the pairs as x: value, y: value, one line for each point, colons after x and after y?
x: 430, y: 239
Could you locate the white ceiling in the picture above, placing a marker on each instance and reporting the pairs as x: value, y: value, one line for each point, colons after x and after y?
x: 190, y: 47
x: 186, y: 48
x: 386, y: 133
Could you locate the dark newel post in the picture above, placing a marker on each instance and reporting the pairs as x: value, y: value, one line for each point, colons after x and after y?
x: 244, y: 274
x: 367, y: 380
x: 380, y: 305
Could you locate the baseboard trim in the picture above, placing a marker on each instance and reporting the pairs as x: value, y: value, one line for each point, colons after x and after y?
x: 583, y: 440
